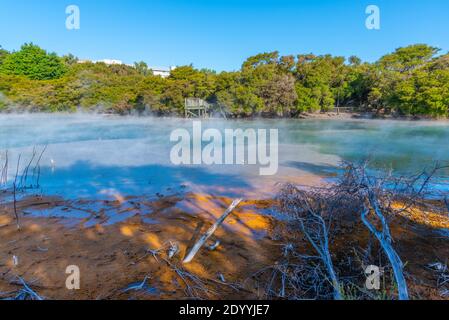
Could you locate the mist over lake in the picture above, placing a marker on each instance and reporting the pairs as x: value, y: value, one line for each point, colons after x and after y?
x: 97, y: 156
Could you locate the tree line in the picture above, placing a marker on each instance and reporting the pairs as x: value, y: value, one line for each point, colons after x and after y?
x: 411, y: 81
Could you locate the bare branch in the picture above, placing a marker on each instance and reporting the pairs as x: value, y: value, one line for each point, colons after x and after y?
x: 210, y: 232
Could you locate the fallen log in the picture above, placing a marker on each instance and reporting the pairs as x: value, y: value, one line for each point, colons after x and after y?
x: 210, y: 232
x: 385, y: 241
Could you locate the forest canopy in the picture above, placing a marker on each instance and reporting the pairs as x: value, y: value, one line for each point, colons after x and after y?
x: 412, y: 81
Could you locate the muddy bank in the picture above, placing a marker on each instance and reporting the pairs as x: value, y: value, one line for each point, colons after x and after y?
x: 117, y: 244
x: 113, y: 255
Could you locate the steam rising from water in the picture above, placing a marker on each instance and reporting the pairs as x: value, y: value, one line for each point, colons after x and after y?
x: 100, y: 156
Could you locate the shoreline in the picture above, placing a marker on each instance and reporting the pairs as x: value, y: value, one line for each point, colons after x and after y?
x: 302, y: 116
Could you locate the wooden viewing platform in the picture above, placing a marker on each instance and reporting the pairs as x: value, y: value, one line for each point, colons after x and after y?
x: 196, y: 108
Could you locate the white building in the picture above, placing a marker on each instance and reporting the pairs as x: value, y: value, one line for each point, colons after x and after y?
x: 157, y: 71
x: 108, y: 62
x: 163, y: 72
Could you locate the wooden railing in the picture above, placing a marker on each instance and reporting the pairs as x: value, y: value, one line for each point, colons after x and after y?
x: 196, y: 103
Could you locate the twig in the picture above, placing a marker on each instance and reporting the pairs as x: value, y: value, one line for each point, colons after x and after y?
x: 25, y: 292
x: 29, y: 290
x: 138, y: 286
x: 24, y: 177
x: 308, y: 209
x: 37, y: 167
x: 14, y: 193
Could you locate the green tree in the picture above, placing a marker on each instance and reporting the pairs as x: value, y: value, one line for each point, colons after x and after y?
x: 324, y: 79
x: 3, y: 54
x: 33, y: 62
x: 142, y: 68
x: 410, y: 81
x: 279, y: 94
x: 409, y: 58
x: 261, y: 59
x: 70, y: 59
x: 397, y: 80
x: 424, y: 92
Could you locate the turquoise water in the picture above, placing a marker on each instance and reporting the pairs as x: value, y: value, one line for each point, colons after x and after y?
x: 97, y: 156
x: 406, y: 147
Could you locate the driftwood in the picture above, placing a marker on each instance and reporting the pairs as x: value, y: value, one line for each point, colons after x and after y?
x: 4, y: 171
x: 384, y: 239
x: 210, y: 232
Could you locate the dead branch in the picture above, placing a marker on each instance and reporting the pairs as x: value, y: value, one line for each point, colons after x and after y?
x: 195, y: 287
x: 372, y: 191
x: 24, y: 293
x: 309, y: 209
x: 378, y: 197
x: 374, y: 198
x: 210, y: 232
x: 4, y: 171
x: 15, y: 193
x: 24, y: 176
x: 442, y: 274
x: 296, y: 277
x: 137, y: 287
x: 37, y: 167
x: 28, y: 291
x: 385, y: 241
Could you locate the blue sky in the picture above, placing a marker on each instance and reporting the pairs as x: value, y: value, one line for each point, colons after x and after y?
x: 221, y: 34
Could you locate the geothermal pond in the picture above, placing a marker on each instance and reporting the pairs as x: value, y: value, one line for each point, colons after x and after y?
x: 96, y: 157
